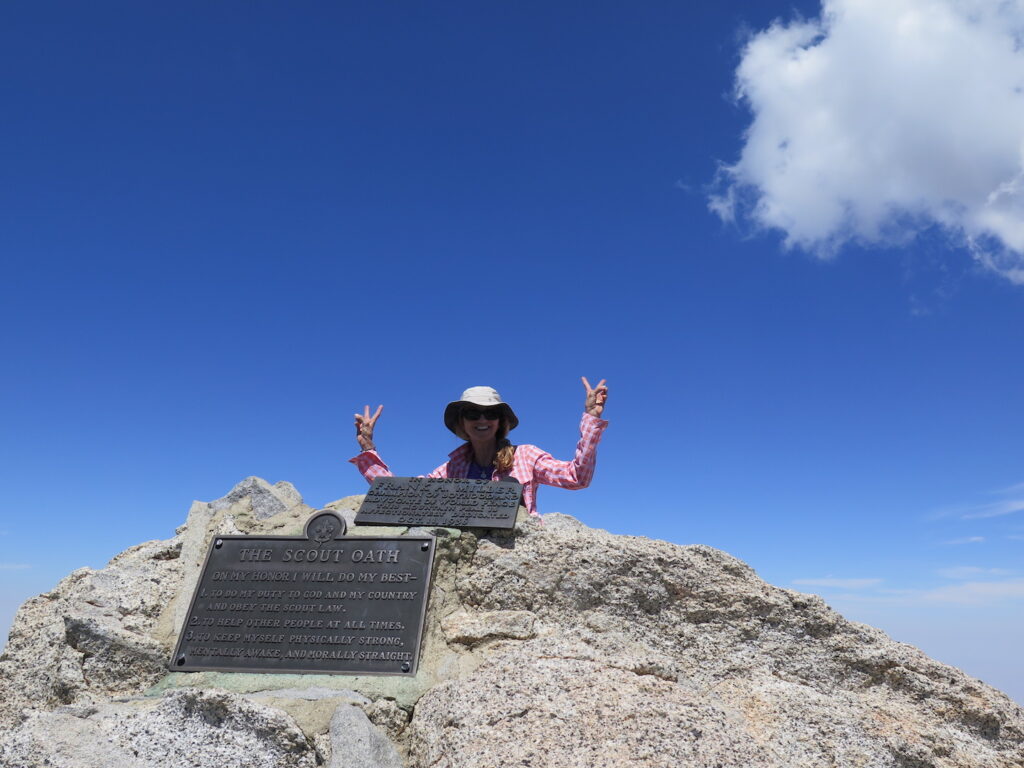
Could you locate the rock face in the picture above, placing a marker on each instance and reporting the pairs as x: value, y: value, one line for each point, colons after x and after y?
x: 650, y: 654
x: 185, y: 728
x: 553, y: 645
x: 106, y: 633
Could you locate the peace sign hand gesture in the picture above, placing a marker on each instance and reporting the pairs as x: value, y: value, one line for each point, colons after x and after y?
x: 364, y: 427
x: 596, y: 397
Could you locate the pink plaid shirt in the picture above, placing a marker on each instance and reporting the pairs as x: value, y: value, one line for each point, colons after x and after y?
x: 531, y: 466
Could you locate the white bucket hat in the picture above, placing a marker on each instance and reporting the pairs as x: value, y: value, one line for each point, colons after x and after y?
x: 481, y: 397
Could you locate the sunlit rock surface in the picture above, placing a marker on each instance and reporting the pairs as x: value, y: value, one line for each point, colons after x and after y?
x: 553, y: 645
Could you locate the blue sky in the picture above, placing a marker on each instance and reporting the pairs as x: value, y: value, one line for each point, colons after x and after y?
x: 226, y: 227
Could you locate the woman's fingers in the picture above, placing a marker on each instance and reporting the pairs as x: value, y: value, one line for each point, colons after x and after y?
x: 596, y: 396
x: 365, y: 416
x: 364, y: 422
x: 599, y: 388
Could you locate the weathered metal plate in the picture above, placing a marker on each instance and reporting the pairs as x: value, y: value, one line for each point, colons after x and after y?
x: 449, y: 502
x: 319, y: 603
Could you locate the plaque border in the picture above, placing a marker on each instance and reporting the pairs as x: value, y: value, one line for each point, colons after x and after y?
x: 507, y: 524
x: 428, y: 582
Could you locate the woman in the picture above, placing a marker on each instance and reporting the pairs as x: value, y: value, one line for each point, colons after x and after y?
x: 483, y: 420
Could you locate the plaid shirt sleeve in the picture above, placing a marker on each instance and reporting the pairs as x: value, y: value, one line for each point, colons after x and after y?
x: 441, y: 471
x: 370, y: 465
x: 579, y: 472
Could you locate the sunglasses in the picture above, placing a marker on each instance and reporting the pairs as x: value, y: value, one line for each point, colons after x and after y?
x: 472, y: 414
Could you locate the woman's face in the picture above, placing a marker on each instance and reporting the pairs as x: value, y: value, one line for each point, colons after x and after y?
x: 480, y: 424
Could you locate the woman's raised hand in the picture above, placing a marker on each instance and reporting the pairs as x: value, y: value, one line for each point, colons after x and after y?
x: 596, y: 397
x: 364, y: 427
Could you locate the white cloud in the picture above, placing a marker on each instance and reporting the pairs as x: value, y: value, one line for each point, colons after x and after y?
x: 995, y: 509
x: 838, y: 583
x: 1006, y: 506
x: 978, y: 592
x: 973, y: 592
x: 967, y: 540
x: 882, y: 118
x: 13, y: 566
x: 971, y: 571
x: 880, y: 598
x: 966, y: 592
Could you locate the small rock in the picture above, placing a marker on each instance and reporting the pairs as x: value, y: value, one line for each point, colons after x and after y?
x: 386, y: 714
x: 358, y: 743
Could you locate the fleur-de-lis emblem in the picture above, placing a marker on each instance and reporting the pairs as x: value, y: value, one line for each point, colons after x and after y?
x: 324, y: 531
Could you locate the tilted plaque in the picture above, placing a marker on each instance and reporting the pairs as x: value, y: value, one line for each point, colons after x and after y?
x: 319, y: 603
x: 448, y: 502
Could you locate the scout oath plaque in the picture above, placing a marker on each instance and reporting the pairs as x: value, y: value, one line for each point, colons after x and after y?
x: 318, y: 603
x: 448, y: 502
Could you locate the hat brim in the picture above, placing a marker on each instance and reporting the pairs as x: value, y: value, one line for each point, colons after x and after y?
x: 451, y: 415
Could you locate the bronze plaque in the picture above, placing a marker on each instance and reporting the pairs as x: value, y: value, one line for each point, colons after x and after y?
x: 448, y: 502
x: 319, y: 603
